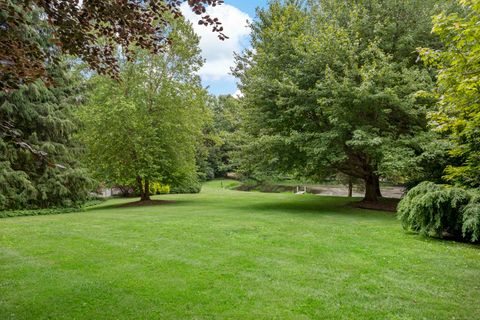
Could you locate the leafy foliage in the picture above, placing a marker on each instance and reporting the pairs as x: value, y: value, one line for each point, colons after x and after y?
x: 220, y: 138
x: 441, y: 211
x: 144, y: 129
x: 471, y: 219
x: 158, y: 188
x: 458, y: 65
x: 38, y: 212
x: 91, y: 30
x: 333, y: 87
x: 191, y: 187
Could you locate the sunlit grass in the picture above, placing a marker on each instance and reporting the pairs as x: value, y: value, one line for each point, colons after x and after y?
x: 226, y: 254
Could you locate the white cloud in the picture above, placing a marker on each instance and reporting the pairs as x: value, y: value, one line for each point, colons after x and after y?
x: 219, y: 54
x: 238, y: 94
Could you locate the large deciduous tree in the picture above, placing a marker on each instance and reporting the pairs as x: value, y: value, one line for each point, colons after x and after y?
x: 333, y: 86
x: 34, y: 34
x: 144, y: 128
x: 458, y: 89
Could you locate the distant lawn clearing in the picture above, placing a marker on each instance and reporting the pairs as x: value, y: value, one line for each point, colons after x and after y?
x: 228, y: 254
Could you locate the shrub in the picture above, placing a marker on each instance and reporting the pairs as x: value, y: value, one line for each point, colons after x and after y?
x: 471, y: 220
x: 93, y: 201
x: 187, y: 188
x: 38, y: 212
x: 158, y: 188
x: 441, y: 211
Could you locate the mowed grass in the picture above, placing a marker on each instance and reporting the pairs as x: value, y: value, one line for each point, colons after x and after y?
x: 227, y: 254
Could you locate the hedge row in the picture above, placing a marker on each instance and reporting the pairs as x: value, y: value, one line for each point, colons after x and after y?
x: 38, y: 212
x: 42, y: 212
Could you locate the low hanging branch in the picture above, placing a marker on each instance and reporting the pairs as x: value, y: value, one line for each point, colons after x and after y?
x: 90, y: 30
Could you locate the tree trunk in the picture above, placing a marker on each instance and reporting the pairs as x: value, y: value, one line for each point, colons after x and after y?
x: 143, y: 188
x: 371, y: 188
x: 146, y: 191
x: 350, y: 187
x: 139, y: 185
x: 377, y: 186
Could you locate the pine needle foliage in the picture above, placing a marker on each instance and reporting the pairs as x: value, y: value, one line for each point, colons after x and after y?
x: 38, y: 160
x: 38, y: 155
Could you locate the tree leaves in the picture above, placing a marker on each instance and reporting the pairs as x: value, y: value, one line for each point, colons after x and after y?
x: 458, y: 85
x: 91, y: 31
x: 145, y: 127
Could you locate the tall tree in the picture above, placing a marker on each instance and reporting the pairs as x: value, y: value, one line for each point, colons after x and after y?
x: 89, y: 30
x: 41, y: 168
x: 144, y: 128
x: 458, y: 89
x: 38, y: 155
x: 327, y: 90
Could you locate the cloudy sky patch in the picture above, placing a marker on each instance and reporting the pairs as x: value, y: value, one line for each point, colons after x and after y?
x: 219, y: 55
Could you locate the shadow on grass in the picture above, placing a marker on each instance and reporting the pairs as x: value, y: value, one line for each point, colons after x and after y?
x: 450, y: 242
x: 317, y: 206
x: 130, y: 203
x: 308, y: 206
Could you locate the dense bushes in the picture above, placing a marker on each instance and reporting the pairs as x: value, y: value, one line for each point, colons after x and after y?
x: 92, y: 201
x: 442, y: 211
x: 193, y: 187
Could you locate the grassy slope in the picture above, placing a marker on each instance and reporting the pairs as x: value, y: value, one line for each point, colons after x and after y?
x: 232, y: 255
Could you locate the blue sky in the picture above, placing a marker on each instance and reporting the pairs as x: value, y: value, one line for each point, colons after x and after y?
x: 219, y: 54
x: 247, y: 6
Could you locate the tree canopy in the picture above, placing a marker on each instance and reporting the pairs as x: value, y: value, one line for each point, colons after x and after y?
x: 144, y: 128
x: 220, y: 138
x: 333, y: 86
x: 90, y: 30
x: 458, y: 66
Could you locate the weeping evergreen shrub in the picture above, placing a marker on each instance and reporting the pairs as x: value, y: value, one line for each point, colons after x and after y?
x: 471, y: 219
x: 441, y: 211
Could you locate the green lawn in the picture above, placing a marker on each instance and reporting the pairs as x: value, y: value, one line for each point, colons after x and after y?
x: 228, y: 254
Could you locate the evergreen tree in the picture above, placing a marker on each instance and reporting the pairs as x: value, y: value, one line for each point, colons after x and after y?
x: 38, y: 158
x: 38, y: 154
